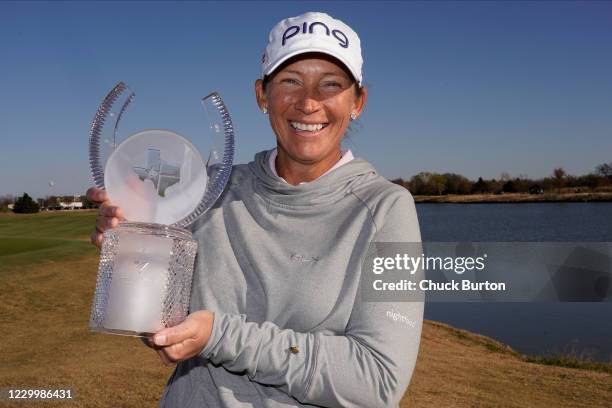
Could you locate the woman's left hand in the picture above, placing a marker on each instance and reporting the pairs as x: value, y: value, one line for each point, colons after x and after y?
x: 185, y: 340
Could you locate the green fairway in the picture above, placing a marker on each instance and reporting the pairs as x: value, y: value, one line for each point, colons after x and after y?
x: 45, y: 237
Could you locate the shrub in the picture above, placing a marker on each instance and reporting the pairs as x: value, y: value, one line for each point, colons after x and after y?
x: 25, y: 205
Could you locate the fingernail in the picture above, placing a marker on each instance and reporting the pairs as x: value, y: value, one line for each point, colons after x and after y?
x: 160, y: 340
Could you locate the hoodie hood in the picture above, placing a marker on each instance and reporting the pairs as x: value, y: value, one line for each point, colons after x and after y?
x: 327, y: 189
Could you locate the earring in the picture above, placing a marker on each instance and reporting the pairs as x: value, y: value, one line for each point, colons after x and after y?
x: 353, y: 116
x: 265, y: 110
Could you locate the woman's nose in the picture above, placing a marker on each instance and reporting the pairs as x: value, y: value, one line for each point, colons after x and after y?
x: 307, y: 103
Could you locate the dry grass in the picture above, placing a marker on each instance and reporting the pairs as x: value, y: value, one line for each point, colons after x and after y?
x: 44, y: 312
x: 45, y: 309
x: 461, y: 369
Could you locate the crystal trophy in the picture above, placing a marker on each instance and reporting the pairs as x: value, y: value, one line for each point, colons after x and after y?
x: 162, y: 184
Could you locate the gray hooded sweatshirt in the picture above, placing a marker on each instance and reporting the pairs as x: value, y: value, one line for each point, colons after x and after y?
x: 280, y: 267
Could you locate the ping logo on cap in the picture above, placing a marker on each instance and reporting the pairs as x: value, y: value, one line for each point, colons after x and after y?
x: 307, y: 28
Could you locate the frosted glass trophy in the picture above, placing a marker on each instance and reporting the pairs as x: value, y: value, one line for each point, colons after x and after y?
x: 163, y: 185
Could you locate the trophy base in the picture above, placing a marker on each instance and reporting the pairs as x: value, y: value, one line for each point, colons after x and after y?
x: 144, y: 279
x: 128, y: 333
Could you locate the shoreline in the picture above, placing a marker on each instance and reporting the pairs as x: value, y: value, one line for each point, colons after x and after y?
x: 579, y: 361
x: 460, y: 368
x: 515, y: 198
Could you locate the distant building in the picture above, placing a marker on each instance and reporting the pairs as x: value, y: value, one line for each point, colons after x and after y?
x: 71, y: 206
x: 76, y: 204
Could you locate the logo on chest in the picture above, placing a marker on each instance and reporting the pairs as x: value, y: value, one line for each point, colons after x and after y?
x: 303, y: 258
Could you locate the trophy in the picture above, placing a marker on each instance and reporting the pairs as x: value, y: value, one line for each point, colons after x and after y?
x: 162, y: 184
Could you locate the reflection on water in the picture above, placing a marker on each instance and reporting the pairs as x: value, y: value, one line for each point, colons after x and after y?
x: 531, y: 328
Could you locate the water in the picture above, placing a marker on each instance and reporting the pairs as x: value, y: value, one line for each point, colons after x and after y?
x: 530, y: 328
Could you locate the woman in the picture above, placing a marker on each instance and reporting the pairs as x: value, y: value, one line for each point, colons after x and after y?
x: 276, y: 316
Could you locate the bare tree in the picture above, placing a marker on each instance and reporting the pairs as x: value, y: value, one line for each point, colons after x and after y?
x: 559, y: 175
x: 605, y: 170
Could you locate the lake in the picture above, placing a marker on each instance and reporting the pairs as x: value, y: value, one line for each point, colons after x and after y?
x: 530, y: 328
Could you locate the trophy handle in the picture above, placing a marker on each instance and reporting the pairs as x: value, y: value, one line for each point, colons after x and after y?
x: 220, y: 159
x: 103, y: 139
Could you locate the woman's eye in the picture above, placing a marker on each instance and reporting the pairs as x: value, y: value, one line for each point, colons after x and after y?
x: 333, y: 86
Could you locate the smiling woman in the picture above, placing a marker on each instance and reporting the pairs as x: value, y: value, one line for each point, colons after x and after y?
x: 311, y: 99
x: 276, y: 314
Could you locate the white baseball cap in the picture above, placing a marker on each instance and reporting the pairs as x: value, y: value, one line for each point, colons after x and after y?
x: 313, y: 32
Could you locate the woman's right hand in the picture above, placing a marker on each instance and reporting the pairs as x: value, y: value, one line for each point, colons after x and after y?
x: 109, y: 215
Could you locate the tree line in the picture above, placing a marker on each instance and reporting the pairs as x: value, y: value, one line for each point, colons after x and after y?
x: 427, y: 183
x: 25, y: 204
x: 424, y: 183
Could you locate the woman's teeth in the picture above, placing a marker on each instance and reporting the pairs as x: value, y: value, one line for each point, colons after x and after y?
x: 309, y: 128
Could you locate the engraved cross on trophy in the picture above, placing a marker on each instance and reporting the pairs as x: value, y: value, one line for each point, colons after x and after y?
x: 163, y: 185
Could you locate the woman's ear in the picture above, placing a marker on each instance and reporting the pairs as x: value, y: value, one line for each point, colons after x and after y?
x: 360, y: 101
x: 260, y: 94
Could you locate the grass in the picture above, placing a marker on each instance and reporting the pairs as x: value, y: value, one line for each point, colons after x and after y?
x: 457, y: 368
x: 44, y: 238
x: 57, y: 225
x: 48, y: 272
x: 571, y: 361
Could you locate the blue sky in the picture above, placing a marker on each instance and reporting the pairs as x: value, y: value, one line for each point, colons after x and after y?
x: 476, y: 88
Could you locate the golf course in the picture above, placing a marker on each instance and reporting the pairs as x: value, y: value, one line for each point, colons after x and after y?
x: 48, y: 273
